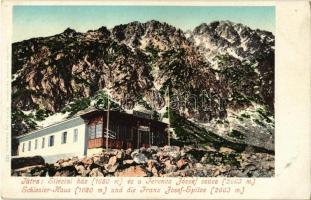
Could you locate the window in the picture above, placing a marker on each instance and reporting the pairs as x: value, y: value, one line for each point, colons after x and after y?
x: 113, y: 130
x: 99, y: 130
x: 29, y: 145
x: 51, y: 141
x: 36, y: 143
x: 91, y: 131
x: 43, y: 143
x: 64, y: 138
x: 75, y: 135
x: 23, y: 147
x: 95, y: 131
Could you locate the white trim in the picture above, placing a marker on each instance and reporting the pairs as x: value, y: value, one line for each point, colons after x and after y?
x: 52, y: 125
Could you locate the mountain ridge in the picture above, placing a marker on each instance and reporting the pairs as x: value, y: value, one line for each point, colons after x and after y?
x: 138, y: 62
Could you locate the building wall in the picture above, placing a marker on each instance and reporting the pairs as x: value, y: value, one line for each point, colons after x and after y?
x: 126, y: 127
x: 70, y: 148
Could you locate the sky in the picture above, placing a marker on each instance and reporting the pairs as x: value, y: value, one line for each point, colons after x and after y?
x: 41, y: 21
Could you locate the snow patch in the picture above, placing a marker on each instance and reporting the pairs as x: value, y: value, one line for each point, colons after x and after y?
x: 232, y: 52
x: 244, y: 44
x: 137, y: 107
x: 187, y: 35
x: 28, y: 112
x: 57, y: 117
x: 16, y: 75
x: 203, y: 42
x: 165, y: 120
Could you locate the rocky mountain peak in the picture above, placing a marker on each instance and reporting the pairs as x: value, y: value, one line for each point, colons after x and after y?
x: 69, y: 32
x: 217, y: 26
x: 104, y: 32
x: 149, y: 34
x: 235, y: 39
x: 154, y: 24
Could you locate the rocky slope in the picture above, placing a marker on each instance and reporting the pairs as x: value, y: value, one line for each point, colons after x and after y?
x: 154, y: 161
x: 226, y: 45
x: 227, y: 67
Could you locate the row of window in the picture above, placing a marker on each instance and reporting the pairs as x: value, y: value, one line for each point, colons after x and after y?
x: 51, y: 139
x: 121, y: 131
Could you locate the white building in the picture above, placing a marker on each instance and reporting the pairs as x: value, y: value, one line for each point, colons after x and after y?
x: 86, y: 134
x: 60, y: 140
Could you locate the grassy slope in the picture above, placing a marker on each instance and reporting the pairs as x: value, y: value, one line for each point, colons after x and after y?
x: 189, y: 133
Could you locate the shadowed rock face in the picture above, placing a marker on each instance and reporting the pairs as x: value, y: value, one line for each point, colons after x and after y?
x: 232, y: 63
x: 162, y: 161
x: 17, y: 163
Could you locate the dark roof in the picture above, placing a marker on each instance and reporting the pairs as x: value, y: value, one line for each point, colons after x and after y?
x: 84, y: 114
x: 92, y: 112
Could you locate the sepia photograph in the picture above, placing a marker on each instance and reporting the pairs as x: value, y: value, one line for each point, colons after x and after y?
x: 143, y: 91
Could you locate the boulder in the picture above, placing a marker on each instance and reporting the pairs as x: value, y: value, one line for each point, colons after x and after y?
x: 197, y: 154
x: 66, y: 171
x: 226, y: 150
x: 128, y: 162
x: 67, y: 163
x: 86, y: 161
x: 174, y: 155
x: 96, y: 172
x: 135, y: 152
x: 198, y: 165
x: 154, y: 156
x: 171, y: 148
x: 112, y: 160
x: 101, y: 160
x: 35, y: 170
x: 249, y: 168
x: 120, y: 154
x: 154, y: 171
x: 181, y: 164
x: 133, y: 171
x: 81, y: 170
x: 191, y: 158
x: 39, y: 171
x: 151, y: 164
x: 128, y: 151
x: 169, y: 167
x: 112, y: 152
x: 140, y: 158
x: 236, y: 173
x: 112, y: 164
x: 142, y: 149
x: 60, y: 161
x: 26, y: 161
x: 56, y: 165
x: 267, y: 165
x: 152, y: 149
x: 152, y: 167
x: 96, y: 158
x: 189, y: 173
x: 112, y: 168
x: 210, y: 149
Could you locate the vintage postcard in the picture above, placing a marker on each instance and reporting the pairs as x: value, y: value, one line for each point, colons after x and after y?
x: 140, y: 100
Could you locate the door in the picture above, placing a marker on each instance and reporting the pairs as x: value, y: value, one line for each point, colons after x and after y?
x: 143, y: 137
